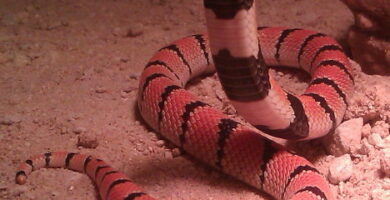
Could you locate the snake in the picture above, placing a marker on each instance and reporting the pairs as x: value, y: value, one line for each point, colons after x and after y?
x: 241, y: 53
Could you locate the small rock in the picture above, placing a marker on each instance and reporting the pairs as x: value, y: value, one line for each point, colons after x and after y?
x: 364, y: 22
x: 153, y: 136
x: 130, y: 89
x: 366, y: 130
x: 380, y: 194
x: 369, y: 50
x: 340, y: 169
x: 168, y: 155
x: 134, y: 75
x: 139, y: 148
x: 376, y: 140
x: 386, y: 142
x: 4, y: 58
x: 365, y: 147
x: 3, y: 186
x: 101, y: 90
x: 124, y: 60
x: 87, y: 140
x: 150, y: 149
x: 176, y: 152
x: 386, y: 184
x: 21, y: 60
x: 71, y: 188
x: 371, y: 115
x: 74, y: 117
x: 35, y: 121
x: 385, y: 164
x: 27, y: 144
x: 63, y: 130
x: 123, y: 95
x: 9, y: 120
x: 118, y: 31
x: 79, y: 130
x: 20, y: 189
x: 382, y: 128
x: 220, y: 94
x: 146, y: 153
x: 341, y: 187
x: 160, y: 143
x: 135, y: 30
x: 346, y: 137
x: 54, y: 194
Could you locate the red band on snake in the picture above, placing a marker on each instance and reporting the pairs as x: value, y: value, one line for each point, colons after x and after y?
x: 241, y: 55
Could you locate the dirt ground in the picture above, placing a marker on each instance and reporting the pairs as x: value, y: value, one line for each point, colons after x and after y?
x: 68, y: 82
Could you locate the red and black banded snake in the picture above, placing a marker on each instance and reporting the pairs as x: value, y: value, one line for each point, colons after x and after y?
x: 241, y: 54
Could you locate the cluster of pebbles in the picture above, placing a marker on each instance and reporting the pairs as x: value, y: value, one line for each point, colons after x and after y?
x: 369, y: 39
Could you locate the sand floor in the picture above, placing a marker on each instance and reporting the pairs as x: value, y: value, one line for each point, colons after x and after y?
x: 68, y: 82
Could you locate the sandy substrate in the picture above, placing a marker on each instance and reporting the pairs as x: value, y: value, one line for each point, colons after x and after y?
x: 68, y: 82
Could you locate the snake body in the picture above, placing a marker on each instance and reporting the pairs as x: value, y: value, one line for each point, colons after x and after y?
x: 241, y: 54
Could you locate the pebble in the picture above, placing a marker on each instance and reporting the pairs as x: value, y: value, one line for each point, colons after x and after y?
x: 20, y: 189
x: 220, y: 94
x: 79, y: 130
x: 365, y: 147
x: 386, y: 183
x: 100, y: 90
x: 341, y: 188
x: 87, y: 140
x: 176, y: 152
x: 380, y: 194
x: 21, y: 60
x: 27, y: 144
x: 74, y: 116
x: 376, y: 140
x: 153, y: 136
x: 385, y: 162
x: 135, y: 30
x: 168, y: 155
x: 346, y: 137
x: 139, y: 148
x: 130, y: 89
x: 4, y: 58
x: 387, y: 56
x: 371, y: 116
x: 382, y: 128
x: 160, y: 143
x: 363, y: 22
x: 385, y: 165
x: 340, y: 169
x: 150, y: 149
x: 366, y: 130
x: 118, y: 31
x: 71, y: 188
x: 124, y: 95
x: 63, y: 130
x: 387, y: 142
x: 55, y: 194
x: 134, y: 75
x: 9, y: 120
x: 3, y: 186
x: 35, y: 121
